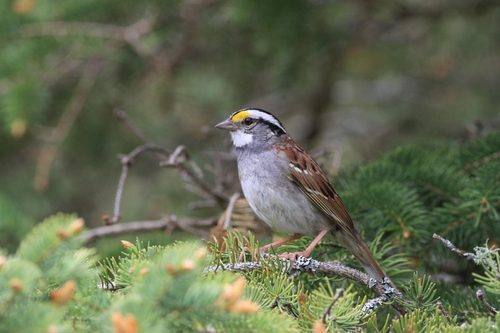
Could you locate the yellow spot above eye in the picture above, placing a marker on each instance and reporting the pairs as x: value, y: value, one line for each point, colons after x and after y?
x: 240, y: 115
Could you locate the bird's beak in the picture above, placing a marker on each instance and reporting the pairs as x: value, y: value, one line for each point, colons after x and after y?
x: 227, y: 125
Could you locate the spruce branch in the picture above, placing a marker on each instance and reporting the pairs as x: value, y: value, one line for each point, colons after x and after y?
x: 307, y: 265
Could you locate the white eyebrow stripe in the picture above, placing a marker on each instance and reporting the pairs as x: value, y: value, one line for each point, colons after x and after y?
x: 266, y: 117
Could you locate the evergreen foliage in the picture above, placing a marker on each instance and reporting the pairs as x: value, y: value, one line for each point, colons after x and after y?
x: 54, y: 284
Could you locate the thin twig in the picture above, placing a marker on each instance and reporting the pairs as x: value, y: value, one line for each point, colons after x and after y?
x: 229, y: 210
x: 122, y: 115
x: 167, y: 222
x: 177, y: 160
x: 491, y: 309
x: 449, y: 245
x: 443, y: 311
x: 338, y: 294
x: 118, y: 198
x: 68, y: 118
x: 127, y: 161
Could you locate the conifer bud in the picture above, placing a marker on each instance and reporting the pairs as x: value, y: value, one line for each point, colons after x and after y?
x: 233, y: 292
x: 319, y: 327
x: 126, y: 244
x: 3, y: 260
x: 77, y: 226
x: 171, y: 270
x: 21, y: 7
x: 188, y: 265
x: 62, y: 234
x: 124, y: 324
x: 52, y: 329
x: 16, y: 285
x: 200, y: 253
x: 64, y: 294
x: 143, y: 271
x: 244, y: 307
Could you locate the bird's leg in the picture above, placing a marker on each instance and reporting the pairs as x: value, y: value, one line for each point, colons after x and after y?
x: 272, y: 245
x: 308, y: 250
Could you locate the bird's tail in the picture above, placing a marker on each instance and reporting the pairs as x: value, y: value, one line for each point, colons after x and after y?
x: 357, y: 246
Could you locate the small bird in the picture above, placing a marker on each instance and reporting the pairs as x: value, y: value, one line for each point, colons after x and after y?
x: 288, y: 190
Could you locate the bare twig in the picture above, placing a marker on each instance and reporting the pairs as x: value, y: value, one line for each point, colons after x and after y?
x: 229, y: 210
x: 308, y: 265
x: 127, y: 161
x: 338, y: 294
x: 122, y: 115
x: 443, y: 311
x: 491, y: 309
x: 449, y: 245
x: 177, y: 159
x: 68, y: 118
x: 165, y: 223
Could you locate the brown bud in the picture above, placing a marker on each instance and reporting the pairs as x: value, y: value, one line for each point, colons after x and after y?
x: 244, y: 307
x: 52, y: 329
x: 171, y: 269
x: 16, y: 285
x: 77, y: 226
x: 143, y: 271
x: 319, y: 327
x: 200, y: 253
x: 124, y: 324
x: 64, y: 294
x: 62, y: 234
x: 188, y: 265
x: 126, y: 244
x: 232, y: 292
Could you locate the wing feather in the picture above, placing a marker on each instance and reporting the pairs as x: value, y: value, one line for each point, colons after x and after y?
x: 310, y: 179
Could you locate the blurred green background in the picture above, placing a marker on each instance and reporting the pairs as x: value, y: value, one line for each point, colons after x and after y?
x: 363, y: 76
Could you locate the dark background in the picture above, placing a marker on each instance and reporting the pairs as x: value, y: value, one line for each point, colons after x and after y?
x: 358, y: 77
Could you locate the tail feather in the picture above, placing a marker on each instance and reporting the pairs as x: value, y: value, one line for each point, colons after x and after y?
x: 360, y: 250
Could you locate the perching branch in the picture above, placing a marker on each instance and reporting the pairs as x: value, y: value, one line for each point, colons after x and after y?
x: 307, y: 265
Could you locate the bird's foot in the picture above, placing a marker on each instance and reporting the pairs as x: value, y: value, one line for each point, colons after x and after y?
x: 292, y: 256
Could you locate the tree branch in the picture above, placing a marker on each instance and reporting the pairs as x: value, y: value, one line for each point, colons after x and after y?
x: 307, y: 265
x: 166, y: 223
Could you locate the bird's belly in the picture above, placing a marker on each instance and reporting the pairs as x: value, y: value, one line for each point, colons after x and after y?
x: 283, y: 206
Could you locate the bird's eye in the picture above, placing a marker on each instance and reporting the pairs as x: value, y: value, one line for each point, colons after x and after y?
x: 248, y: 121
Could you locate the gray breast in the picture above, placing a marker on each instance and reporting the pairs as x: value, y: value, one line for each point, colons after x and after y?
x: 274, y: 198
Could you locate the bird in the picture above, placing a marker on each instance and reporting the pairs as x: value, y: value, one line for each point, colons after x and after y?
x: 287, y: 189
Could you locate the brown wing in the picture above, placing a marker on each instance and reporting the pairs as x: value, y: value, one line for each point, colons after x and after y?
x: 310, y: 179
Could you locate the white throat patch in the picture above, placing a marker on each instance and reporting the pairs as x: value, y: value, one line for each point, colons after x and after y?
x: 240, y: 138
